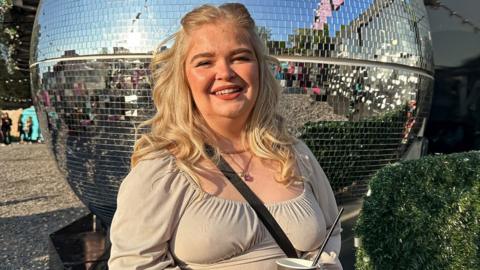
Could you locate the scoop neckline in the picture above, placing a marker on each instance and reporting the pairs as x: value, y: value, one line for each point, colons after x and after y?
x: 270, y: 204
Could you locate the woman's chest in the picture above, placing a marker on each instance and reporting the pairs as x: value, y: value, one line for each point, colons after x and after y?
x: 215, y: 229
x: 261, y: 178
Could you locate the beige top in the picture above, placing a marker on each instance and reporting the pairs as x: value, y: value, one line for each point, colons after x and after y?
x: 165, y: 221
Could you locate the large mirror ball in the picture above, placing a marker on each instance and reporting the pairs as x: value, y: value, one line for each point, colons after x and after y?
x: 356, y: 78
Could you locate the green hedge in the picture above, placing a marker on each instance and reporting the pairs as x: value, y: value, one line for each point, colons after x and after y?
x: 422, y: 214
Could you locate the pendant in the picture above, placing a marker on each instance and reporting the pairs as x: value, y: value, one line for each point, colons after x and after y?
x: 247, y: 177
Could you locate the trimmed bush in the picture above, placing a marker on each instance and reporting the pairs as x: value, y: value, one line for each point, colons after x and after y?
x: 422, y: 214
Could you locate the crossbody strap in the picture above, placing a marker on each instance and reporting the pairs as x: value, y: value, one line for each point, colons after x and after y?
x: 262, y: 212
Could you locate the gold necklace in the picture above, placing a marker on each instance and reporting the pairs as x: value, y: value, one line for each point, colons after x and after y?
x: 244, y: 174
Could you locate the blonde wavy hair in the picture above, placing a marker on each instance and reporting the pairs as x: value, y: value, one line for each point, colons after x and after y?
x: 179, y: 127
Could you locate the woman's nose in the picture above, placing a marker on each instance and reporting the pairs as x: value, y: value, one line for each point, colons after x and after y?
x: 224, y: 71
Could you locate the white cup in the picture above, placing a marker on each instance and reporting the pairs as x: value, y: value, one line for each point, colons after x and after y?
x: 292, y: 264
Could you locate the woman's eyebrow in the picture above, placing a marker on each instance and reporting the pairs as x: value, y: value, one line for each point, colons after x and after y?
x: 242, y: 50
x: 209, y: 54
x: 200, y: 55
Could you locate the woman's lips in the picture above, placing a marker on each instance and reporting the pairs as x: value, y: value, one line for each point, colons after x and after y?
x: 229, y: 96
x: 228, y: 93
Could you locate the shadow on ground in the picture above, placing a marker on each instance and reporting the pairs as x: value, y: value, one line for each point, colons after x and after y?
x: 25, y: 238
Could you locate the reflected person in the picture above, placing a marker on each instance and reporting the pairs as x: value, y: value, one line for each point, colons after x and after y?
x: 176, y: 209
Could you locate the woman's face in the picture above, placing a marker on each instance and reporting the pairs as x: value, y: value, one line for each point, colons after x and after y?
x: 222, y: 72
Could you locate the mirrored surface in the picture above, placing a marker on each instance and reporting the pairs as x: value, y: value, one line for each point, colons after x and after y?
x: 356, y: 78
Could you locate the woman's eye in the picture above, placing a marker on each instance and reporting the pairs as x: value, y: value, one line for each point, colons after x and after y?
x: 242, y: 58
x: 202, y: 63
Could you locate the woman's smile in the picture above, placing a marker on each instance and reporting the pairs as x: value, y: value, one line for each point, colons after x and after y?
x: 227, y: 92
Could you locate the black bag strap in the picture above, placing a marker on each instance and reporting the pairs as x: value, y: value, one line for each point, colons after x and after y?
x: 262, y: 212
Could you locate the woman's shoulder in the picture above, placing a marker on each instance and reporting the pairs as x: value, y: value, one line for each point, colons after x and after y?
x: 156, y: 169
x: 302, y: 150
x: 159, y: 159
x: 308, y: 162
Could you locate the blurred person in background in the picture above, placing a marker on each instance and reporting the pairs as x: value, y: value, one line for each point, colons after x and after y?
x: 28, y: 130
x: 6, y: 129
x: 21, y: 132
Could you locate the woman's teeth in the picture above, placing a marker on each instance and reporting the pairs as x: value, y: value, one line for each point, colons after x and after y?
x: 227, y: 91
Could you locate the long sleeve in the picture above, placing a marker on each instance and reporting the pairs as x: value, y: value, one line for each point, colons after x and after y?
x: 150, y: 202
x: 326, y: 199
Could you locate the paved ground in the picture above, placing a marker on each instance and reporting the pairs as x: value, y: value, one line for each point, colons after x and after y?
x: 34, y: 202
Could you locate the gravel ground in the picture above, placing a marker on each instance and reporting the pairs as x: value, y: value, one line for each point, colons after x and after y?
x: 35, y: 201
x: 297, y: 109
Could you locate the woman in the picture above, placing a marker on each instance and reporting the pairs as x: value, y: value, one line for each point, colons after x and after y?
x: 20, y: 130
x: 176, y: 210
x: 28, y: 130
x: 6, y: 128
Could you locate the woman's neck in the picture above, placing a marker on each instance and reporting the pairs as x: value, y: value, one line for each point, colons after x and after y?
x: 229, y: 135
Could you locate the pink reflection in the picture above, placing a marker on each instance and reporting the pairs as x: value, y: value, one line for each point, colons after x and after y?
x: 325, y: 10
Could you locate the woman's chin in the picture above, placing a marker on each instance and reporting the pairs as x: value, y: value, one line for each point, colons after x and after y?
x: 231, y: 114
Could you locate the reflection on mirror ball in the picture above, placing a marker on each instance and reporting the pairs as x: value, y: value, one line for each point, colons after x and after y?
x: 356, y: 78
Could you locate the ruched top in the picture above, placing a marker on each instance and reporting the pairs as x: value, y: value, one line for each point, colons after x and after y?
x: 164, y: 220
